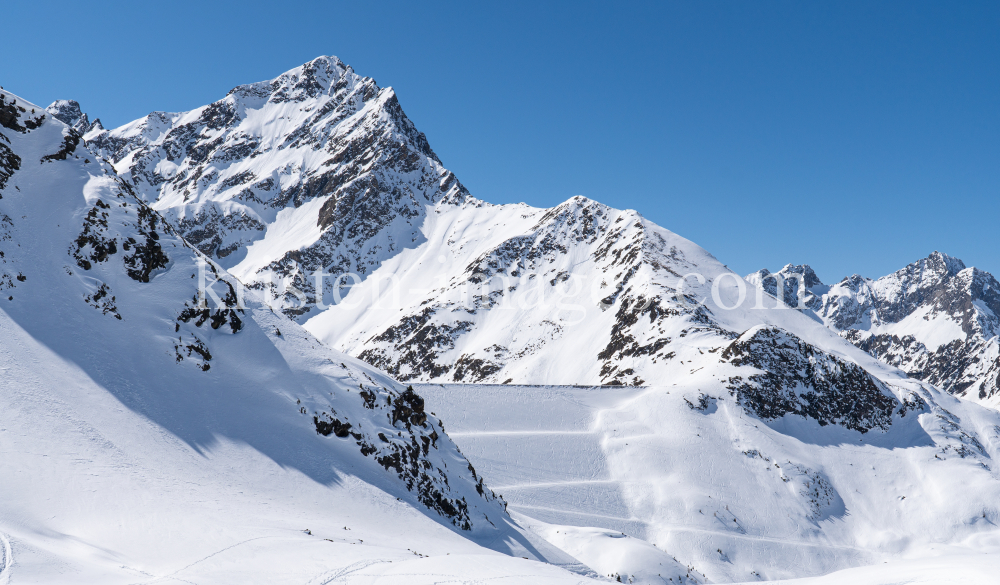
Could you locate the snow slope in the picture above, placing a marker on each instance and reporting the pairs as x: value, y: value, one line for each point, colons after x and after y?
x: 148, y: 439
x: 680, y: 482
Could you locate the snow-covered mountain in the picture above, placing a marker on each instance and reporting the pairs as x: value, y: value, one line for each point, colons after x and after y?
x: 142, y: 430
x: 744, y: 457
x: 316, y: 169
x: 320, y: 171
x: 936, y: 319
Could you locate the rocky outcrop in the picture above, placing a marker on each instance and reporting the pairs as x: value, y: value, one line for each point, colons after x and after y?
x: 799, y: 379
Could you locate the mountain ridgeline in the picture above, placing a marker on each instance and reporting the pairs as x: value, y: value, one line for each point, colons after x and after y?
x: 935, y: 319
x: 319, y: 170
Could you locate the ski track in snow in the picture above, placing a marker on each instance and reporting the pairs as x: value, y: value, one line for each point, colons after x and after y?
x: 575, y: 459
x: 328, y: 577
x: 203, y: 559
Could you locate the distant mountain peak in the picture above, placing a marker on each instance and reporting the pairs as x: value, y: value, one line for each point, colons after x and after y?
x: 808, y: 274
x: 935, y: 318
x: 794, y: 277
x: 939, y: 264
x: 68, y: 112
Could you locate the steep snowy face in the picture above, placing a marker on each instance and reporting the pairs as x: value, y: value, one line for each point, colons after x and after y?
x: 936, y: 319
x: 96, y: 275
x: 317, y: 169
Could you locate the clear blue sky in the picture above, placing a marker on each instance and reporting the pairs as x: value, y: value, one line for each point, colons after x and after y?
x: 853, y: 136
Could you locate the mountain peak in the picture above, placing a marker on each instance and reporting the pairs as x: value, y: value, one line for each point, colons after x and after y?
x: 321, y: 76
x: 943, y: 262
x: 342, y: 157
x: 66, y: 111
x: 808, y: 274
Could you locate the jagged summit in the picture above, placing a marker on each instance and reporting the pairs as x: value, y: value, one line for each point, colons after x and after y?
x: 805, y: 270
x: 66, y: 111
x: 943, y: 262
x: 318, y: 148
x: 309, y: 80
x: 795, y: 278
x: 69, y: 113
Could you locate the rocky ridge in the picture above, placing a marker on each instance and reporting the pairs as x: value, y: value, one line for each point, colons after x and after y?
x: 936, y: 319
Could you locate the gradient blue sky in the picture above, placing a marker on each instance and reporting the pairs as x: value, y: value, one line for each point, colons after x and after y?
x: 853, y: 136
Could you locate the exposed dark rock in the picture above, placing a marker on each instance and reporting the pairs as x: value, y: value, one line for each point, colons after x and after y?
x: 229, y: 312
x: 195, y: 349
x: 10, y: 114
x: 71, y: 140
x: 797, y: 378
x: 93, y: 245
x: 145, y: 253
x: 405, y: 452
x: 103, y: 301
x: 331, y: 425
